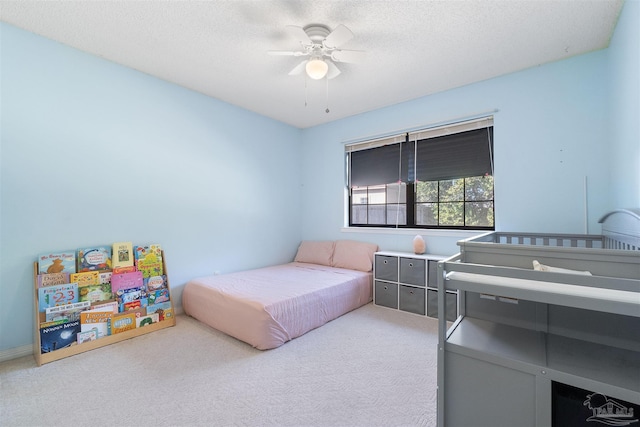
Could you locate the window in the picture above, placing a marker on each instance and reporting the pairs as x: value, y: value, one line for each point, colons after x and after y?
x: 434, y: 178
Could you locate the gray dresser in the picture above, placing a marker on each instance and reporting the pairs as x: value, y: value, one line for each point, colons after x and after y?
x: 408, y: 282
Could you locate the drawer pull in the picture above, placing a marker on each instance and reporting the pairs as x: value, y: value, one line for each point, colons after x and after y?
x: 385, y: 288
x: 410, y: 264
x: 385, y: 261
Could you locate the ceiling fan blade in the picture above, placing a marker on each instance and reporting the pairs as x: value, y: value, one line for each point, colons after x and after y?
x: 286, y: 53
x: 298, y: 68
x: 338, y: 37
x: 299, y: 34
x: 333, y: 70
x: 350, y: 56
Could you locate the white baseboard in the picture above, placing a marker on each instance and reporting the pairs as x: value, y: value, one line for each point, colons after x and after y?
x: 14, y: 353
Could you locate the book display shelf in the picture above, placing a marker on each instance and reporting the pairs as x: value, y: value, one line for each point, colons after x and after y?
x: 138, y: 305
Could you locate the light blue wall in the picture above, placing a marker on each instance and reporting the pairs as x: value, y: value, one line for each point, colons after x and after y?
x: 624, y: 61
x: 549, y: 129
x: 94, y: 153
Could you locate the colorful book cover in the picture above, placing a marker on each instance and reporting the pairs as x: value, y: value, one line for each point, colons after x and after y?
x: 155, y: 283
x: 68, y: 311
x: 57, y: 262
x: 106, y: 306
x: 122, y: 254
x: 104, y: 277
x: 95, y: 293
x: 163, y: 309
x: 84, y: 279
x: 150, y: 253
x: 90, y: 319
x: 147, y: 320
x: 54, y: 295
x: 131, y: 294
x: 52, y: 279
x: 123, y: 322
x: 136, y: 311
x: 149, y: 260
x: 133, y: 305
x: 58, y: 336
x: 94, y: 259
x: 126, y: 281
x: 149, y: 270
x: 120, y: 270
x: 156, y: 297
x: 86, y: 336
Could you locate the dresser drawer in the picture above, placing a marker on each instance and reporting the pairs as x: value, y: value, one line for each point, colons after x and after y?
x: 412, y: 299
x: 387, y: 268
x: 412, y: 271
x: 451, y: 302
x: 386, y: 294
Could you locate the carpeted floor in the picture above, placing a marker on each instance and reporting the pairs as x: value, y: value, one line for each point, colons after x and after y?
x: 370, y: 367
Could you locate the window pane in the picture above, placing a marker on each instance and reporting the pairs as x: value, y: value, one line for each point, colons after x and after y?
x: 376, y: 194
x: 377, y: 214
x: 359, y: 214
x: 479, y: 188
x: 427, y: 214
x: 452, y: 214
x: 397, y: 193
x: 359, y: 196
x: 427, y: 191
x: 479, y: 214
x: 397, y: 214
x: 452, y: 190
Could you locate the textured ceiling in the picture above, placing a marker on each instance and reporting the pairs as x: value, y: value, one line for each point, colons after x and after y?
x: 414, y: 48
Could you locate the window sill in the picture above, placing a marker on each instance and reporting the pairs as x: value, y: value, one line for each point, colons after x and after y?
x: 414, y: 231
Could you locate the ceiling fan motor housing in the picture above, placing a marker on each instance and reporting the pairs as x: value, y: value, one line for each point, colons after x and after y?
x: 317, y: 32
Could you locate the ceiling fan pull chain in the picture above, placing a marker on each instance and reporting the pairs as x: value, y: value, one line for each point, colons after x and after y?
x: 327, y: 110
x: 305, y: 91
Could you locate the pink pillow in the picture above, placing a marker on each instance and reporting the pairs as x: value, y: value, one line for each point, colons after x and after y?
x: 354, y: 255
x: 315, y: 252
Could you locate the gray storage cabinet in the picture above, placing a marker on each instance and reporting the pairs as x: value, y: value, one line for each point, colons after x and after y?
x: 521, y: 332
x: 408, y: 282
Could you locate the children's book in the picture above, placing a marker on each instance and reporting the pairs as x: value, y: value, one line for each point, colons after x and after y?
x: 57, y: 262
x: 159, y: 296
x: 133, y: 305
x: 149, y: 270
x: 155, y: 283
x: 122, y: 255
x: 86, y: 336
x: 106, y: 306
x: 57, y: 336
x: 95, y: 293
x: 149, y: 260
x: 163, y: 309
x: 126, y: 281
x: 123, y: 322
x: 51, y: 296
x: 104, y: 277
x: 131, y: 294
x: 128, y: 269
x: 147, y: 320
x: 52, y: 279
x: 68, y: 311
x: 149, y: 253
x: 90, y: 319
x: 94, y: 259
x: 86, y: 278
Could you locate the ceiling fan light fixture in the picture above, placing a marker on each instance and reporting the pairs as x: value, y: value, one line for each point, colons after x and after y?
x: 316, y: 68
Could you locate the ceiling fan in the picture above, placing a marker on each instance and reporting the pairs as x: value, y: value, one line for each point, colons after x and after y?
x: 321, y: 46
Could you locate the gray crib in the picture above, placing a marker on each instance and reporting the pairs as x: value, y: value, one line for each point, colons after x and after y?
x: 522, y: 334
